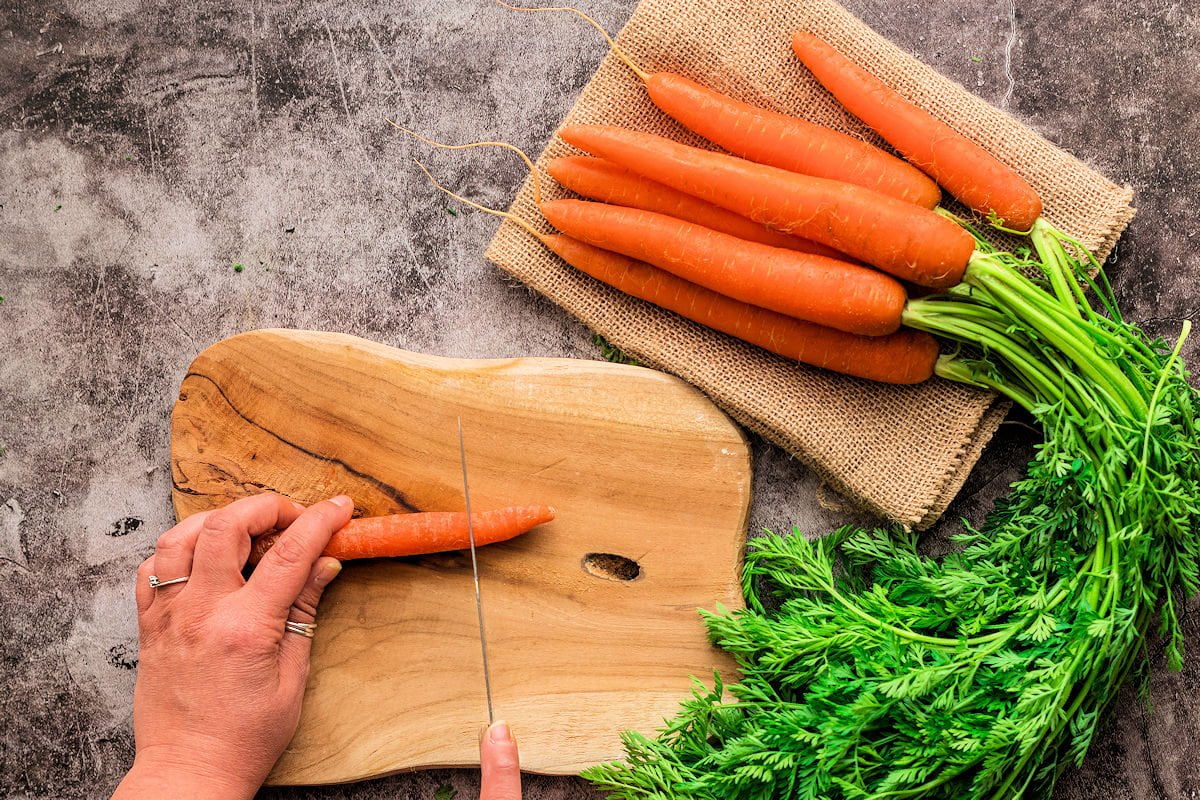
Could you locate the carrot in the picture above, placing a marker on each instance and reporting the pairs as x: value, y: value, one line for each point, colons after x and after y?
x: 900, y: 238
x: 769, y: 137
x: 421, y: 533
x: 970, y: 173
x: 787, y: 142
x: 827, y: 291
x: 814, y: 288
x: 904, y: 357
x: 598, y: 179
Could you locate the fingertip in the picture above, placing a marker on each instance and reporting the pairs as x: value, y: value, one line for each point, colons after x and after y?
x: 342, y: 501
x: 327, y: 569
x: 500, y: 733
x: 498, y: 749
x: 500, y: 764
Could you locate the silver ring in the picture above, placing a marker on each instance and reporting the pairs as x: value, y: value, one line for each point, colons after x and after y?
x: 306, y: 629
x: 155, y: 583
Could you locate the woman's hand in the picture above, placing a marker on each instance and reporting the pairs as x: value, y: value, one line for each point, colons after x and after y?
x: 219, y: 681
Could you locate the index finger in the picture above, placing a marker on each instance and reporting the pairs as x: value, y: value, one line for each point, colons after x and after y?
x: 283, y: 571
x: 224, y: 539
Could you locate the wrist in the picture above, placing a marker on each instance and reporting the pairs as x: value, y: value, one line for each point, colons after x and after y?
x: 160, y: 772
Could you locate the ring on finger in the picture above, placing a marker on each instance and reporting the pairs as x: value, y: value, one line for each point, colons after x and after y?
x: 306, y: 629
x: 155, y: 583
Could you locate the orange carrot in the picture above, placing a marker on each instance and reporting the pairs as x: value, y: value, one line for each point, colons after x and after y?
x: 904, y: 357
x: 769, y: 137
x: 421, y: 533
x: 787, y: 142
x: 970, y: 173
x: 814, y: 288
x: 601, y: 180
x: 827, y: 291
x: 900, y: 238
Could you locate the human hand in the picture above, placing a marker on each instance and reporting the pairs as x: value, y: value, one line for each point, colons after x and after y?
x: 500, y: 764
x: 219, y: 681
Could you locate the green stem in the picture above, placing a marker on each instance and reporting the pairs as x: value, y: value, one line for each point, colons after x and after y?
x: 1022, y: 299
x: 1066, y: 289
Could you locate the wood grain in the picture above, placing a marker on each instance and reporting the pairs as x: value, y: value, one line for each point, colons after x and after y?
x: 636, y: 463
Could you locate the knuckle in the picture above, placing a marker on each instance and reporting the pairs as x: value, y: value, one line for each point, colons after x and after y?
x: 324, y: 513
x: 170, y: 541
x: 218, y: 523
x: 150, y: 622
x: 239, y: 637
x: 288, y: 552
x: 306, y: 604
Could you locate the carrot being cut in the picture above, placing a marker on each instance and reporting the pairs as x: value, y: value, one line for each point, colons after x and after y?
x: 904, y: 357
x: 421, y: 533
x: 905, y: 240
x: 597, y: 179
x: 770, y: 137
x: 813, y: 288
x: 973, y: 175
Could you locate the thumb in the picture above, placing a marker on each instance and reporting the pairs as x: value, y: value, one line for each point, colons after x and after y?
x: 294, y: 649
x: 500, y: 764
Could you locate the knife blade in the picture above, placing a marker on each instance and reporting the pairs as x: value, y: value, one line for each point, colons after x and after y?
x: 487, y: 675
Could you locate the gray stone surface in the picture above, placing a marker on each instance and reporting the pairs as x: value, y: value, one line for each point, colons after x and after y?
x: 147, y: 147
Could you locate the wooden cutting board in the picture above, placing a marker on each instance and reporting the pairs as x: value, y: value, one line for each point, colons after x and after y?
x: 637, y: 464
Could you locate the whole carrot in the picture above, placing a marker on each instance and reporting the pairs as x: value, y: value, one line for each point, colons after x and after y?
x: 814, y: 288
x: 769, y: 137
x: 903, y: 239
x: 421, y: 533
x: 970, y: 173
x: 904, y: 357
x: 787, y: 142
x: 597, y: 179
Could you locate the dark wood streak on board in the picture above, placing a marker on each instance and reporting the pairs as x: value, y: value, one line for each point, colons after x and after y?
x: 390, y: 491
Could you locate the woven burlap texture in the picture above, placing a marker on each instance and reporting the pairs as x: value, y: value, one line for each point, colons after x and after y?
x: 900, y: 452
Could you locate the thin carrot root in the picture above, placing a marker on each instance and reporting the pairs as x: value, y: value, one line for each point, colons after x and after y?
x: 533, y: 170
x: 612, y: 45
x: 508, y: 215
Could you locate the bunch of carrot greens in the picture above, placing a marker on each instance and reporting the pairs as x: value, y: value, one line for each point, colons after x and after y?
x: 880, y: 673
x: 867, y: 669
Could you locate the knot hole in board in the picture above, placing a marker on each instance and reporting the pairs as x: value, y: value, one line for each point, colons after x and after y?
x: 611, y: 567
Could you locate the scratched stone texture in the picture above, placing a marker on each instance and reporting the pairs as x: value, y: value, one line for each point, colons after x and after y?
x: 147, y: 147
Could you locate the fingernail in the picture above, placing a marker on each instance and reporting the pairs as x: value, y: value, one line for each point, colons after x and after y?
x: 499, y: 733
x: 341, y: 501
x: 328, y: 573
x: 298, y: 506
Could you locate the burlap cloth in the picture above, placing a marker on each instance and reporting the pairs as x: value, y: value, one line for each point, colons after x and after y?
x: 900, y: 452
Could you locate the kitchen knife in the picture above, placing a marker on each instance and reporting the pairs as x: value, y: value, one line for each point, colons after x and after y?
x: 487, y: 677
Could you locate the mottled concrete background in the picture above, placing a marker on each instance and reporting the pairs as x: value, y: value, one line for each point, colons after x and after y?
x: 146, y: 148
